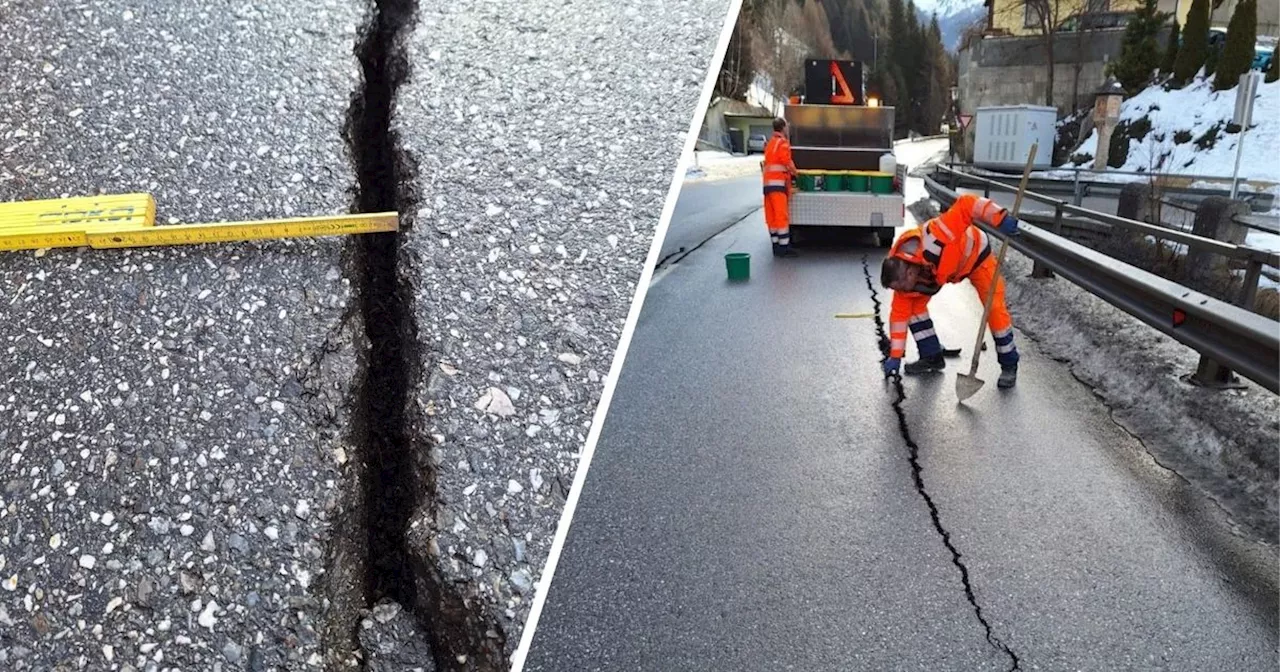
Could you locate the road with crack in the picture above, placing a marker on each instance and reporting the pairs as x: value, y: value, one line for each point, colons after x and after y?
x: 318, y: 453
x: 762, y: 499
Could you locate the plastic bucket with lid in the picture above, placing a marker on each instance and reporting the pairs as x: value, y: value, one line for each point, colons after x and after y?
x: 833, y: 182
x: 806, y: 182
x: 882, y: 184
x: 855, y: 183
x: 738, y: 265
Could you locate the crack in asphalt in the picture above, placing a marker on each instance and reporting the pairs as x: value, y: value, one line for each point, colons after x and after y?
x: 681, y: 253
x: 392, y: 481
x: 918, y: 476
x: 398, y: 480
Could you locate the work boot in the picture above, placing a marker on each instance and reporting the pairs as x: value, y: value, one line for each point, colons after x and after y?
x: 1008, y: 377
x: 788, y: 252
x: 930, y: 364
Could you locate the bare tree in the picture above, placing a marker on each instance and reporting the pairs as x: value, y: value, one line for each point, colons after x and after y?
x: 1045, y: 17
x: 769, y: 50
x: 738, y: 69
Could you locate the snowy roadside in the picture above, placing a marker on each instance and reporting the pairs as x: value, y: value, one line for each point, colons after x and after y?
x: 1187, y: 132
x: 713, y: 165
x: 1223, y: 442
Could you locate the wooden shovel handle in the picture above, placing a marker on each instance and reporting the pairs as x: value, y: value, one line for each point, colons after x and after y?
x: 1004, y: 247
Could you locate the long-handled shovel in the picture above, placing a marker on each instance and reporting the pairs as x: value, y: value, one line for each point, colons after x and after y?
x: 968, y: 384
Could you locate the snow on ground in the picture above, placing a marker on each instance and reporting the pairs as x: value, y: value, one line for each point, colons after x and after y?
x: 1223, y: 442
x: 1196, y: 109
x: 716, y: 165
x: 1262, y: 241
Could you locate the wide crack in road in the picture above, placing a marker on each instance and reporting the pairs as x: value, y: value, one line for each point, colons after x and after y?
x: 398, y: 477
x: 917, y: 474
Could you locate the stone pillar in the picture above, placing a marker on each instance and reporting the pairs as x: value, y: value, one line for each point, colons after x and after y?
x: 1215, y: 219
x: 1106, y: 114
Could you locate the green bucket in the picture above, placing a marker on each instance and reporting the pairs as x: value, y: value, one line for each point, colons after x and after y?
x: 855, y: 183
x: 738, y: 264
x: 833, y: 182
x: 806, y: 183
x: 882, y: 184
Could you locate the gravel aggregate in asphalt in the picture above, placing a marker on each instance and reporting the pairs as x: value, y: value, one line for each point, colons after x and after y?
x: 172, y: 444
x: 546, y: 136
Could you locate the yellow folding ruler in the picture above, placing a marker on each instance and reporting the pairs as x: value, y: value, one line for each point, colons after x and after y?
x: 128, y: 220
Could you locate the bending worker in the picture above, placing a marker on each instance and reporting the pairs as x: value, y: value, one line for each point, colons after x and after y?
x: 778, y: 171
x: 947, y: 248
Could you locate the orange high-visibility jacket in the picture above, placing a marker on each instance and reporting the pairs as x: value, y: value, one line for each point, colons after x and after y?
x: 777, y: 164
x: 949, y: 244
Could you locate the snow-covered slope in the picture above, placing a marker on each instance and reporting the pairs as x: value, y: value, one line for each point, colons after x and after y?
x: 1183, y: 122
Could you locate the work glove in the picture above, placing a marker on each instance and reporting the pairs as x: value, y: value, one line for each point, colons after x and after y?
x: 891, y: 366
x: 1009, y: 225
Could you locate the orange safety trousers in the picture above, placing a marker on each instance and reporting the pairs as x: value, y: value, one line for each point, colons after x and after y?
x: 777, y: 217
x: 912, y: 309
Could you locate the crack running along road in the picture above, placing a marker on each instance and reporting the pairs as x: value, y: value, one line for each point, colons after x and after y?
x: 917, y: 474
x: 397, y: 481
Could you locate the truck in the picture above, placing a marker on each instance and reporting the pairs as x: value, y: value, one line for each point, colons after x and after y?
x: 842, y: 146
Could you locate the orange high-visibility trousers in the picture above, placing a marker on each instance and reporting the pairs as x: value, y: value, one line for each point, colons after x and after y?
x: 777, y: 217
x: 999, y: 320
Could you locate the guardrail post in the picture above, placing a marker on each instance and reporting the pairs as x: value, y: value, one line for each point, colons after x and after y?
x: 1249, y: 290
x: 1038, y: 270
x: 1077, y: 191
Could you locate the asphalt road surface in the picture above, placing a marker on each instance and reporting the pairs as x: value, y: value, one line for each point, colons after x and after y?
x: 544, y: 160
x: 706, y: 208
x: 751, y: 504
x: 171, y: 419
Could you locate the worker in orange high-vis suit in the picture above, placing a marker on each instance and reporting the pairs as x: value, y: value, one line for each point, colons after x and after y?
x: 947, y: 248
x: 778, y: 171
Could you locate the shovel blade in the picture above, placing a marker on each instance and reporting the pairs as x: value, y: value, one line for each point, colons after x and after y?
x: 967, y: 385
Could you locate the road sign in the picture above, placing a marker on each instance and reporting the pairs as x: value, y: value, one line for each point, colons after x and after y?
x: 1245, y: 95
x: 964, y: 120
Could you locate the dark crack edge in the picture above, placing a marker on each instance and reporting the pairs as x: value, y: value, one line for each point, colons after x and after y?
x: 917, y: 474
x: 397, y: 482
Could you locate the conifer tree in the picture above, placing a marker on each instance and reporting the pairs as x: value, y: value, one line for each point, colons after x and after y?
x: 1237, y: 52
x: 1195, y: 43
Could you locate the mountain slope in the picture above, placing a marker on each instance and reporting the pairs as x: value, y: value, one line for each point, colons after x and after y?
x: 954, y: 16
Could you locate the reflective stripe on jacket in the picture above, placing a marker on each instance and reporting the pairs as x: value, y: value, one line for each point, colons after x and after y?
x: 777, y: 157
x: 951, y: 244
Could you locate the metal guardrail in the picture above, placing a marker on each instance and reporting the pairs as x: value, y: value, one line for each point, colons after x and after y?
x: 1192, y: 241
x: 1259, y: 201
x: 1246, y: 342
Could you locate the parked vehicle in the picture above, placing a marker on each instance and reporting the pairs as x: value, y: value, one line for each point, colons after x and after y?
x: 1262, y: 56
x: 756, y: 143
x: 842, y: 145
